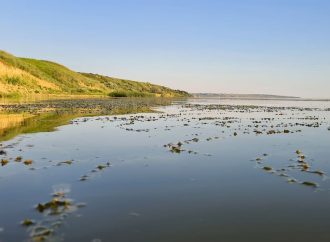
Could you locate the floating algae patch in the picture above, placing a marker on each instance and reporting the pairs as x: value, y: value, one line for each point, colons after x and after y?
x: 18, y: 158
x: 91, y: 173
x: 27, y: 222
x: 310, y: 184
x: 28, y: 162
x: 54, y: 212
x: 302, y: 166
x: 4, y: 162
x: 267, y: 168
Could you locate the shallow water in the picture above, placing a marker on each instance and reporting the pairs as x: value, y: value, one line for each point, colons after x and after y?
x: 228, y: 180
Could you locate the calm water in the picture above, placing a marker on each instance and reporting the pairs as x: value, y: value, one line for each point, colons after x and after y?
x: 236, y: 175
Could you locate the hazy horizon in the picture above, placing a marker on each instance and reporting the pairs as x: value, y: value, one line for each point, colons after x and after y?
x: 244, y: 47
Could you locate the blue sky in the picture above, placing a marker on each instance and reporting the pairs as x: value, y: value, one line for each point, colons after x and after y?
x: 229, y: 46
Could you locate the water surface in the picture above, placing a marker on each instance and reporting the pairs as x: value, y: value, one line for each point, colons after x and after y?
x: 199, y: 170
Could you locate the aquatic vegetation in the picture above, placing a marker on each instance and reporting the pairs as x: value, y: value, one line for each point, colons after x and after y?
x: 101, y: 167
x: 310, y: 184
x: 176, y: 149
x: 40, y: 233
x: 54, y: 211
x: 84, y: 178
x: 28, y: 162
x: 291, y: 180
x: 27, y: 222
x: 67, y: 162
x: 18, y: 159
x: 318, y: 172
x: 4, y: 162
x: 267, y: 168
x: 54, y: 205
x: 98, y: 168
x: 302, y: 165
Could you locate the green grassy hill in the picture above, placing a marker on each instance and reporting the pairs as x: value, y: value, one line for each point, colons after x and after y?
x: 26, y: 77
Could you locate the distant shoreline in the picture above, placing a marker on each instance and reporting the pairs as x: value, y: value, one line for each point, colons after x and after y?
x: 233, y: 95
x: 254, y: 97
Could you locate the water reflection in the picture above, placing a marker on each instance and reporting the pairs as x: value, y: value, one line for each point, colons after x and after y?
x: 227, y: 173
x: 12, y: 125
x: 32, y: 116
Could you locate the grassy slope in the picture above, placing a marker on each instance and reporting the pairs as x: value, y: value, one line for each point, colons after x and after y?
x: 24, y: 77
x: 132, y: 88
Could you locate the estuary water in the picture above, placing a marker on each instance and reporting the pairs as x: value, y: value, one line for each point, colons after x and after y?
x: 196, y: 170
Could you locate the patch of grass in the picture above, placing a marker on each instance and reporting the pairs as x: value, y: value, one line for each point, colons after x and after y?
x: 127, y: 88
x: 130, y: 94
x: 15, y: 80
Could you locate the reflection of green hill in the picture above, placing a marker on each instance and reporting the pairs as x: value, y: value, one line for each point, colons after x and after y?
x: 39, y: 123
x: 16, y: 119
